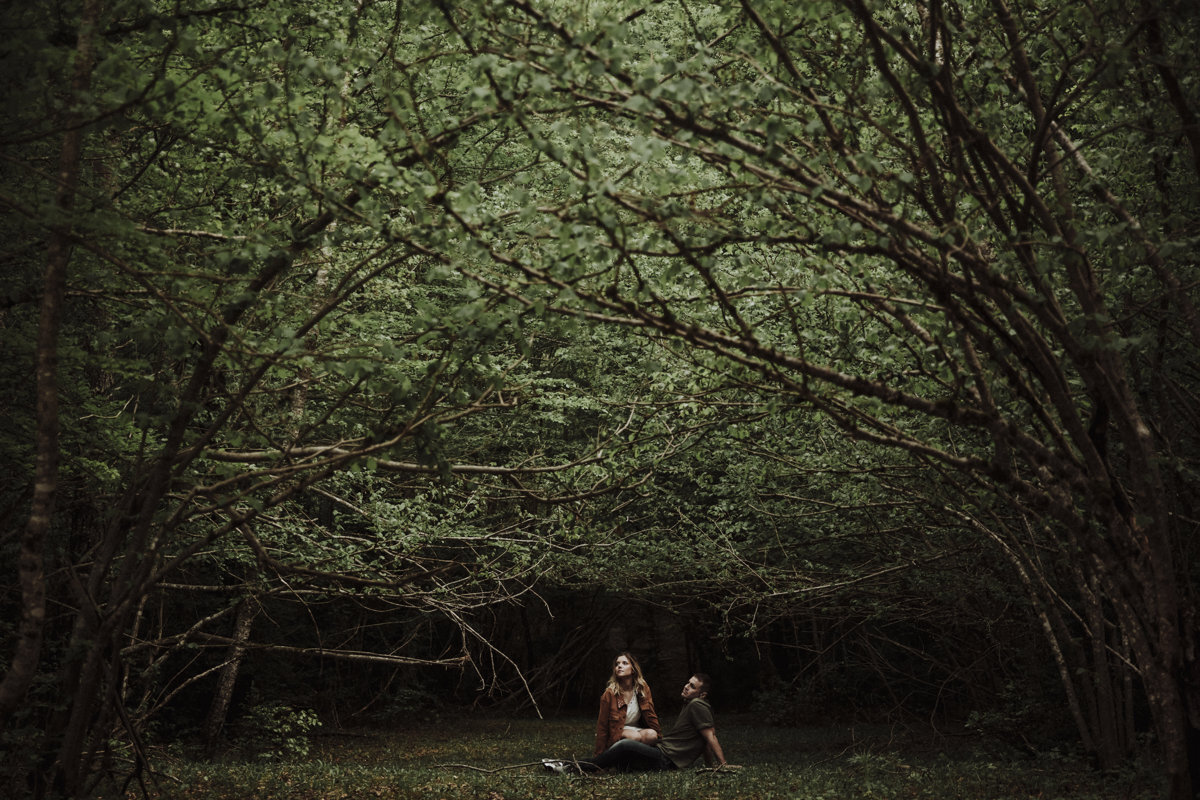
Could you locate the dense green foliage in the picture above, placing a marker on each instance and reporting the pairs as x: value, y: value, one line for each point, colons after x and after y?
x: 372, y: 336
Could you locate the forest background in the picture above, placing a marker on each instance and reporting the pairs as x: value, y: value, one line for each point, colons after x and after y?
x: 364, y: 355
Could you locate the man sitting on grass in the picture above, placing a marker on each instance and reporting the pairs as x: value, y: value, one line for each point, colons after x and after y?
x: 692, y: 735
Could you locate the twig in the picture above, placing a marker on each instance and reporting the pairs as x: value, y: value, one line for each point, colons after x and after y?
x: 727, y: 769
x: 496, y: 769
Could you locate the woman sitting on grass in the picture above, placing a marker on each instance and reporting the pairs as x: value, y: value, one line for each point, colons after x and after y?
x: 626, y: 707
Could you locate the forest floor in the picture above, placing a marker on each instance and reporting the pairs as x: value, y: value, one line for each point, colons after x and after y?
x: 498, y: 759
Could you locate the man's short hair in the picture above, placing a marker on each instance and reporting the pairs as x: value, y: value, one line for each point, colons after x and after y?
x: 706, y: 682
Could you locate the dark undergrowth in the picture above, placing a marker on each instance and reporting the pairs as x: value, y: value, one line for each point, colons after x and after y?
x: 495, y: 759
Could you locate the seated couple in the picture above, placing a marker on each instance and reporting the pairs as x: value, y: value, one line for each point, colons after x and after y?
x: 628, y: 735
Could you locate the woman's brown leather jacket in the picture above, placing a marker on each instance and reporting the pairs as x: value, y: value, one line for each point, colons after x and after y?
x: 612, y: 717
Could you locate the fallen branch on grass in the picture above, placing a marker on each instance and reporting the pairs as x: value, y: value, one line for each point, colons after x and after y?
x: 726, y: 768
x: 494, y: 769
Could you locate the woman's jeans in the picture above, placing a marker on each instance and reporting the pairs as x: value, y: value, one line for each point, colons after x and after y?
x: 629, y: 756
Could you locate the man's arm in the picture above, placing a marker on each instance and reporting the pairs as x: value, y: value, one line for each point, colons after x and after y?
x: 712, y: 748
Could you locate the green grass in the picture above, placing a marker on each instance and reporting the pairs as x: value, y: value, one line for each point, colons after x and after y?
x: 492, y: 759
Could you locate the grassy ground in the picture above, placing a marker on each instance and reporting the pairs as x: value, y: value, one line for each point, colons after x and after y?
x: 480, y: 759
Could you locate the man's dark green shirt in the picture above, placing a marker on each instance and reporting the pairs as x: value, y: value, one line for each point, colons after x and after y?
x: 682, y: 742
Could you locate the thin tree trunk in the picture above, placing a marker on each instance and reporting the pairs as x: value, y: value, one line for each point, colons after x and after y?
x: 246, y: 612
x: 31, y: 562
x: 1110, y: 750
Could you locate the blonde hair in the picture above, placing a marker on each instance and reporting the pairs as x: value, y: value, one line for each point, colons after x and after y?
x: 639, y: 683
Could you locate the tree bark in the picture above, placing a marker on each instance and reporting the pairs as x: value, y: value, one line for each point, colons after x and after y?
x: 217, y: 712
x: 31, y: 562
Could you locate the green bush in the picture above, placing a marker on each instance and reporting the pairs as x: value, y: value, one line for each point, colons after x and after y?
x: 275, y: 732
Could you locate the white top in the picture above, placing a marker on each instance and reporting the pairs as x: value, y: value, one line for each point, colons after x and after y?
x: 632, y: 711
